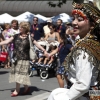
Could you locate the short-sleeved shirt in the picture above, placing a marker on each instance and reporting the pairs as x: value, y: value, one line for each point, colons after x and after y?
x: 46, y: 29
x: 37, y: 31
x: 64, y: 51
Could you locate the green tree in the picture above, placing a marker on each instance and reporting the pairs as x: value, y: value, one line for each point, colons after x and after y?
x: 61, y: 2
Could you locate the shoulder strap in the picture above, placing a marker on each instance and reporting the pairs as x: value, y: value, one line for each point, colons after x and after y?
x: 31, y: 44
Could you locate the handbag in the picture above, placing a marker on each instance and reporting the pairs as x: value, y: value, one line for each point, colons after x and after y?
x: 3, y: 56
x: 32, y: 53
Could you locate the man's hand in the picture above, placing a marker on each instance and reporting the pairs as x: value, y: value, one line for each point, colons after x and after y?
x: 42, y: 39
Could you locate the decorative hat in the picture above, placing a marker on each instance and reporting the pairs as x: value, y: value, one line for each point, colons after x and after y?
x: 87, y: 10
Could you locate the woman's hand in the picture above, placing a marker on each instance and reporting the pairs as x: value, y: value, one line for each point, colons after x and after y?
x: 46, y: 54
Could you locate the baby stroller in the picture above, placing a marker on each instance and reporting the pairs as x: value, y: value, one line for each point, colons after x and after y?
x: 43, y: 71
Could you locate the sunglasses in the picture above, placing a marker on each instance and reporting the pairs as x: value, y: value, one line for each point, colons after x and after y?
x: 51, y: 28
x: 35, y: 20
x: 58, y: 22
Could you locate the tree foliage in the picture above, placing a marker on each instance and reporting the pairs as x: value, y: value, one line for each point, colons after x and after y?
x: 61, y: 2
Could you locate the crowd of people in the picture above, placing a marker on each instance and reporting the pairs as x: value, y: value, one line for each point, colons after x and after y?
x: 76, y: 44
x: 15, y: 41
x: 40, y: 32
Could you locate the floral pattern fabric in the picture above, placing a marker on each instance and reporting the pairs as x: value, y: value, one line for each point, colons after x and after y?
x: 21, y: 48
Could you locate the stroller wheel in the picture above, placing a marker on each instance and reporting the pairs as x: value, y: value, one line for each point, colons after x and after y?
x: 44, y: 75
x: 30, y: 72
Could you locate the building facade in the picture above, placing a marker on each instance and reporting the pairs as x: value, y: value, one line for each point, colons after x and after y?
x: 15, y: 8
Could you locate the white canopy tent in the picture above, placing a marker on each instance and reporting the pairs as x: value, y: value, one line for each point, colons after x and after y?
x: 64, y: 17
x: 41, y: 18
x: 27, y: 16
x: 6, y: 18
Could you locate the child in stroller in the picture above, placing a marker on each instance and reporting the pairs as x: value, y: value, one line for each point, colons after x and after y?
x: 48, y: 61
x: 40, y: 56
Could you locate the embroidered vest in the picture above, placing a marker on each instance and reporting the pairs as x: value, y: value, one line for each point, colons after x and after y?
x: 90, y: 45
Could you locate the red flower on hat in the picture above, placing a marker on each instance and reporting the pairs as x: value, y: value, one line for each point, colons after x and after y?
x: 79, y: 12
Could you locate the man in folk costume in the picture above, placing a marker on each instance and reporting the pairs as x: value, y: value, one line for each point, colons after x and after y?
x: 83, y: 63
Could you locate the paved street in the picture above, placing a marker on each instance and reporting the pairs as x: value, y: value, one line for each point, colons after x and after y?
x: 40, y: 89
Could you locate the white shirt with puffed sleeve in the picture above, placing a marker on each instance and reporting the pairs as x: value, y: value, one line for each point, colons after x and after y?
x: 83, y: 74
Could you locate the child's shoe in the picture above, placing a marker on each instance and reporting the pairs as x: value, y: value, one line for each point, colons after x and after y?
x: 37, y: 63
x: 42, y: 65
x: 49, y: 65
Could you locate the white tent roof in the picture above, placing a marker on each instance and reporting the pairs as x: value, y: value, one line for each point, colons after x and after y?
x: 6, y: 18
x: 27, y: 16
x: 41, y: 18
x: 64, y: 17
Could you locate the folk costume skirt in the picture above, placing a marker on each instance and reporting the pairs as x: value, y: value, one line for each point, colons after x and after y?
x: 19, y: 72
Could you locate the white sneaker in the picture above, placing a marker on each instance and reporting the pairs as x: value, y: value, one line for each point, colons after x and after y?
x: 47, y: 65
x: 65, y: 86
x: 36, y: 63
x: 50, y: 65
x: 31, y: 62
x: 41, y: 65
